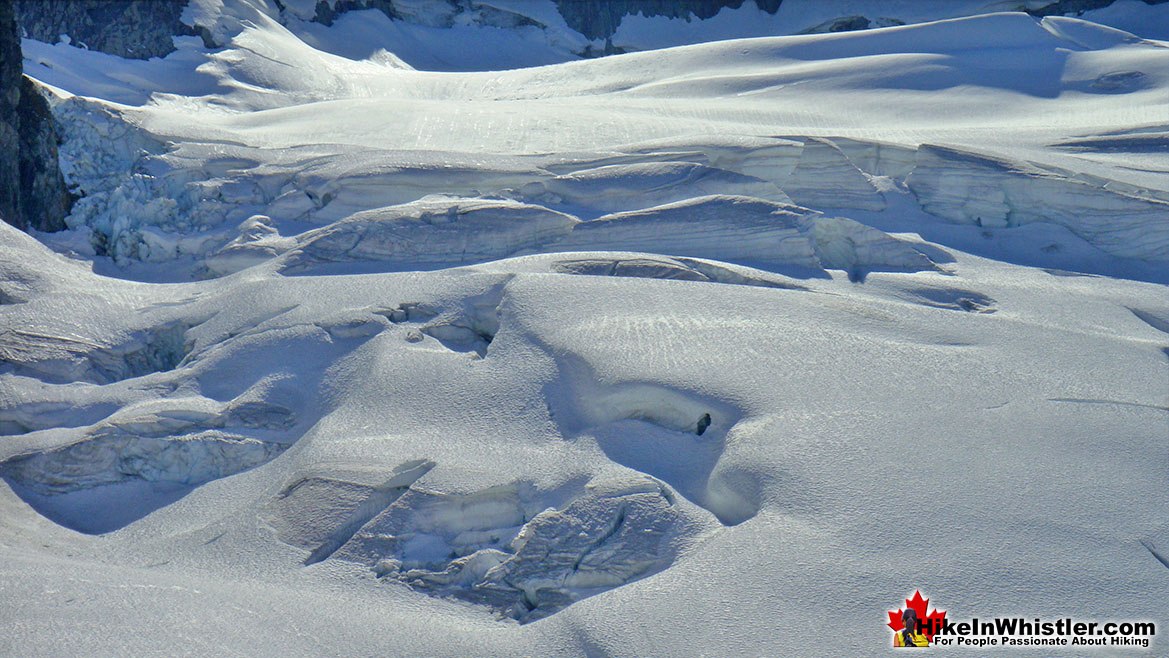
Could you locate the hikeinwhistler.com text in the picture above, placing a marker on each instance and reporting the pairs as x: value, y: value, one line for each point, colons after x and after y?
x: 1004, y: 632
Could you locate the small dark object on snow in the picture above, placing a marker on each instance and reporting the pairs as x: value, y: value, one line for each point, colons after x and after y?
x: 703, y: 423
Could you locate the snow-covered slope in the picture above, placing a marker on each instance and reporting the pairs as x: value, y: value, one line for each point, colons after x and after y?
x: 679, y: 352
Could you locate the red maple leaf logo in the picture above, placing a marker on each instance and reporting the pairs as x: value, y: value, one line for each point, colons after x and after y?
x: 930, y: 622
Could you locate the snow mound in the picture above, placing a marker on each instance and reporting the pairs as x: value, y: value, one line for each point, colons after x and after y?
x: 735, y: 228
x: 112, y: 457
x: 668, y: 434
x: 659, y: 267
x: 64, y: 358
x: 764, y: 157
x: 640, y: 185
x: 445, y: 231
x: 432, y: 231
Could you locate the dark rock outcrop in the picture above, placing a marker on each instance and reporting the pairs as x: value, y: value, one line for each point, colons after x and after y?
x: 595, y: 19
x: 10, y: 78
x: 1075, y: 7
x: 32, y: 190
x: 140, y: 29
x: 598, y: 19
x: 45, y: 201
x: 437, y: 16
x: 326, y: 14
x: 851, y: 24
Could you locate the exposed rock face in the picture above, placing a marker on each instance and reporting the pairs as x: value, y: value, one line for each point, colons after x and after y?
x: 850, y: 24
x: 32, y: 190
x: 143, y: 29
x: 127, y: 28
x: 598, y: 19
x: 595, y: 19
x: 45, y: 201
x: 1076, y: 7
x: 10, y: 67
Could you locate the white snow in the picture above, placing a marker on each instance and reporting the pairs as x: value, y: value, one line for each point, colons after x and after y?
x: 669, y: 353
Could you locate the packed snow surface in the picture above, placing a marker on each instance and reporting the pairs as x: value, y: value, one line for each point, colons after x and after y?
x: 680, y: 352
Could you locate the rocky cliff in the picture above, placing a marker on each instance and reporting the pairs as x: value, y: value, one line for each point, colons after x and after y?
x: 143, y: 28
x: 1075, y: 7
x: 10, y: 76
x: 32, y: 190
x: 127, y: 28
x: 598, y: 19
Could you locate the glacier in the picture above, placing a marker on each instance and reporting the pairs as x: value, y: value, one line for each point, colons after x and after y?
x: 683, y: 351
